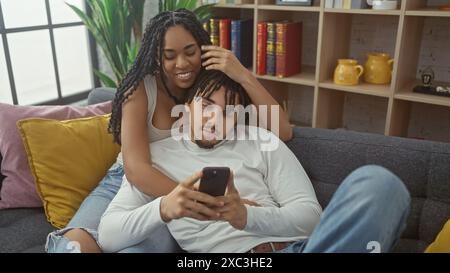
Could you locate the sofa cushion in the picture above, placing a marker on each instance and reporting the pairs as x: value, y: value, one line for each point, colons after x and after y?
x: 67, y: 159
x: 442, y: 242
x: 23, y: 230
x: 328, y: 156
x: 18, y: 188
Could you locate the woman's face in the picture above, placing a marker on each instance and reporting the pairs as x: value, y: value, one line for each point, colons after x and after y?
x: 181, y: 57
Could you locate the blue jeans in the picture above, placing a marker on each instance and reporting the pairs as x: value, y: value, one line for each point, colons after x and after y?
x: 367, y: 213
x: 90, y: 212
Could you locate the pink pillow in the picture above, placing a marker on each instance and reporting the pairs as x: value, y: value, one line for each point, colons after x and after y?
x: 18, y: 189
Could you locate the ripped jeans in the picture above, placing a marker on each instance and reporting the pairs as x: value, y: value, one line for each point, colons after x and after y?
x: 90, y: 212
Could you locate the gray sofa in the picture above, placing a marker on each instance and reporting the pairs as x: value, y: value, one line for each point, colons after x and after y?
x: 328, y: 156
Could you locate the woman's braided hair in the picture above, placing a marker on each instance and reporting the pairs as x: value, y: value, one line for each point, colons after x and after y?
x: 150, y: 59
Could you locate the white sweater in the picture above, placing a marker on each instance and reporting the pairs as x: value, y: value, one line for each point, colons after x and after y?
x: 274, y: 179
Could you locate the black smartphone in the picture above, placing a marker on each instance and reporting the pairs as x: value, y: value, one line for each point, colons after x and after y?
x: 214, y: 180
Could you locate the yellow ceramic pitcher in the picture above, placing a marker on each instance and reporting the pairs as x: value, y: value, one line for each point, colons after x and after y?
x: 378, y: 68
x: 347, y: 72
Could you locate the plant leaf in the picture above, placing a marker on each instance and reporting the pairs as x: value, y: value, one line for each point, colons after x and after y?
x: 105, y: 79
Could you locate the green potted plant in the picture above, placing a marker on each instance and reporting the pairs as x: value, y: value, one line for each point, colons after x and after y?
x: 116, y: 26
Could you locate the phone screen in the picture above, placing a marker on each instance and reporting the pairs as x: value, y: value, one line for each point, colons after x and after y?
x: 214, y: 180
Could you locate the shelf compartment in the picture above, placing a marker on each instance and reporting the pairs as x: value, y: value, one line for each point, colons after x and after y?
x: 308, y: 47
x: 300, y: 104
x: 296, y: 99
x: 408, y: 95
x: 420, y: 121
x: 362, y: 88
x: 418, y: 52
x: 425, y: 8
x: 307, y: 77
x: 353, y: 36
x: 336, y: 109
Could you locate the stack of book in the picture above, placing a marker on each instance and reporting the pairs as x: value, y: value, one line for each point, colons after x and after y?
x: 235, y: 35
x: 279, y: 50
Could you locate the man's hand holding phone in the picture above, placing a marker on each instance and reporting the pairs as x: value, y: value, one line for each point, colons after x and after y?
x: 186, y: 201
x: 234, y: 210
x: 216, y: 198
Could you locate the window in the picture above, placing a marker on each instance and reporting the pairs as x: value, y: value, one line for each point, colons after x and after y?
x: 45, y: 52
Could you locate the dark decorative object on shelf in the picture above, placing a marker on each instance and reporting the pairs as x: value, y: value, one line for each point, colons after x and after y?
x: 295, y: 2
x: 427, y: 86
x: 427, y: 76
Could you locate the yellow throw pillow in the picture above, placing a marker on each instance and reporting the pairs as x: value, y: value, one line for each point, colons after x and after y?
x: 442, y: 242
x: 67, y: 159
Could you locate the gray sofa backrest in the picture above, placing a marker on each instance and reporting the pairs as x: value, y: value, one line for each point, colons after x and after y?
x: 328, y: 156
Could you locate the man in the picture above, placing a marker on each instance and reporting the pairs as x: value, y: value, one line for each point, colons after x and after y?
x: 270, y: 204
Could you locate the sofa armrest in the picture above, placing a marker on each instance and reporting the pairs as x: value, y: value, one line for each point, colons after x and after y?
x: 101, y: 94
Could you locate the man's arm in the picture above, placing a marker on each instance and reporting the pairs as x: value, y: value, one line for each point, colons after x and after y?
x: 132, y: 216
x: 299, y: 211
x: 130, y: 219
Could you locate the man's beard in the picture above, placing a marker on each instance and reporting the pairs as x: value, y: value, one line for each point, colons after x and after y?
x: 207, y: 145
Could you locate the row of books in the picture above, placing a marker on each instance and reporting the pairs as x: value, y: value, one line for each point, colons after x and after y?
x: 346, y: 4
x: 235, y: 35
x: 279, y: 50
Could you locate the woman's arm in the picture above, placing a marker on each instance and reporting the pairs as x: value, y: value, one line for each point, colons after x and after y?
x: 149, y: 180
x: 135, y: 148
x: 224, y: 60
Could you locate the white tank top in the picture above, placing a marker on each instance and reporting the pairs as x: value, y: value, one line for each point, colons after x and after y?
x: 154, y: 134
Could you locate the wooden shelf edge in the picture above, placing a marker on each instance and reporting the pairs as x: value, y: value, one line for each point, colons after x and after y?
x: 423, y: 98
x: 364, y: 11
x: 293, y: 80
x: 235, y: 6
x: 406, y: 93
x: 428, y: 13
x: 289, y: 8
x: 363, y: 89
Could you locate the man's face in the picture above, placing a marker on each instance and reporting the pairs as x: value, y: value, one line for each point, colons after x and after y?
x: 211, y: 127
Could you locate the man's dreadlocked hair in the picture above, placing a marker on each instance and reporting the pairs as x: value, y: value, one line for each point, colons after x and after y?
x: 210, y: 81
x: 146, y: 62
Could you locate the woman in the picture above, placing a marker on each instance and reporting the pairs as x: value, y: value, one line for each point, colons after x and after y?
x: 166, y: 67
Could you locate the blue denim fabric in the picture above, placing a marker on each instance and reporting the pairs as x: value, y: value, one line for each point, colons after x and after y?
x: 367, y: 214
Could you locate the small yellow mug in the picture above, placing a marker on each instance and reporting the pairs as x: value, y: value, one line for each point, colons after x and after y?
x: 347, y: 72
